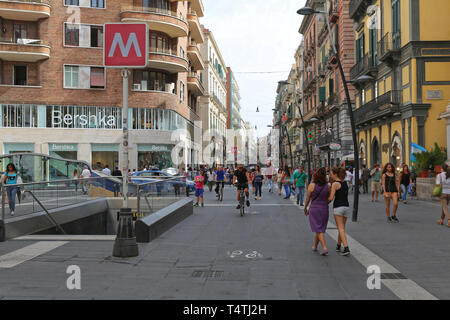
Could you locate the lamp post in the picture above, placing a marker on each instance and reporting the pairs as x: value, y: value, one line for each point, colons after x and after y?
x: 309, y: 11
x: 304, y: 129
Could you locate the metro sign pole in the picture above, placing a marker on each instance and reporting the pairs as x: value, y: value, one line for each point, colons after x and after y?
x: 125, y: 46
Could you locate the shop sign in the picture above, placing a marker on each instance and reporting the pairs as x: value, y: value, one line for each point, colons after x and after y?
x: 62, y: 147
x: 98, y: 120
x: 154, y: 148
x: 335, y: 146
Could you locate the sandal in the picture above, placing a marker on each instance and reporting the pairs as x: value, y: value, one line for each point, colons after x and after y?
x: 441, y: 222
x: 448, y: 225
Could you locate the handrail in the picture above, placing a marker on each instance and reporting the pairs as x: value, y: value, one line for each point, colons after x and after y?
x: 46, y: 211
x: 154, y: 10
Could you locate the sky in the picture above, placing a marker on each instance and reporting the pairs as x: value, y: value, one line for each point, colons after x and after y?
x: 256, y: 36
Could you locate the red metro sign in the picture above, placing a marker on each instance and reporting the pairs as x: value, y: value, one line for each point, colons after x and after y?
x: 125, y: 45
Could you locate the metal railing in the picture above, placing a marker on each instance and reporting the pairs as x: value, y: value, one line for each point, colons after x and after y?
x: 355, y: 6
x: 388, y: 44
x: 50, y: 195
x: 25, y: 42
x: 153, y: 10
x: 47, y: 2
x: 381, y: 106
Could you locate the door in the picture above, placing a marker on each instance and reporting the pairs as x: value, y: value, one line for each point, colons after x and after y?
x: 20, y: 75
x: 20, y: 32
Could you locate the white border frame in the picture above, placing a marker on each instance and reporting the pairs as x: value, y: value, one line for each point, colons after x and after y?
x: 147, y: 49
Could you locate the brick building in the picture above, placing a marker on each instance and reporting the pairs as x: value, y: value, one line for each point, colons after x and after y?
x: 57, y: 98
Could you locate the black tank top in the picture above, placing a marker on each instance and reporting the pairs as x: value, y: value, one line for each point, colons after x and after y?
x: 390, y: 184
x: 405, y: 179
x: 341, y: 196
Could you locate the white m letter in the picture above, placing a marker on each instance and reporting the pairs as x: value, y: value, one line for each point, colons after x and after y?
x: 132, y: 40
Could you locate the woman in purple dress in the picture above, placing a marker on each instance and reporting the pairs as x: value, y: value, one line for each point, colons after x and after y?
x: 318, y: 193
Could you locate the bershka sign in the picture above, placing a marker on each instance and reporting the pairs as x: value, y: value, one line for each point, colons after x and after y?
x: 125, y: 45
x: 97, y: 120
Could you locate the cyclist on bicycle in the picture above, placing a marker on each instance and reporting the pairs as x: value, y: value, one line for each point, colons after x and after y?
x: 242, y: 180
x: 220, y: 176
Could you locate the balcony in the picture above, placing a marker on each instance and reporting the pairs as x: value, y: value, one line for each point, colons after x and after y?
x: 383, y: 106
x: 309, y: 80
x: 327, y: 139
x: 168, y: 60
x: 331, y: 56
x: 219, y: 103
x: 195, y: 57
x: 197, y: 6
x: 195, y: 85
x: 322, y: 70
x: 24, y: 50
x: 25, y: 10
x: 365, y: 66
x: 333, y: 12
x: 195, y: 27
x: 331, y: 101
x: 162, y: 20
x: 357, y: 8
x: 389, y: 47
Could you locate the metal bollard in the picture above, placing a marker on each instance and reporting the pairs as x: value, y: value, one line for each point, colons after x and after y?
x: 125, y: 245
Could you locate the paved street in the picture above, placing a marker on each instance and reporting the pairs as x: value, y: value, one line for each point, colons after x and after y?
x: 216, y: 254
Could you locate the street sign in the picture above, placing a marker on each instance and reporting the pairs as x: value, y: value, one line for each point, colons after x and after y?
x: 335, y: 146
x: 125, y: 45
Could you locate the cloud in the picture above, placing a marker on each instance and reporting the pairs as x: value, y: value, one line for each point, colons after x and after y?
x: 254, y: 36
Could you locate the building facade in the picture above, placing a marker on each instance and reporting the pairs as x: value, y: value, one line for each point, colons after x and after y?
x: 213, y: 104
x: 57, y: 98
x: 403, y: 49
x: 326, y: 110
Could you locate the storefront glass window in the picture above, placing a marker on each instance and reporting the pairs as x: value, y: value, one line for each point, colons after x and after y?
x: 18, y: 116
x: 155, y: 156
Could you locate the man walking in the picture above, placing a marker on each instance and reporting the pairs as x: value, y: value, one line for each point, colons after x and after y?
x: 376, y: 178
x: 365, y: 178
x: 300, y: 181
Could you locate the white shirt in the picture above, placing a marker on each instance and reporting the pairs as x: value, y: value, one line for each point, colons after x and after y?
x: 348, y: 176
x: 442, y: 179
x: 106, y: 171
x: 85, y: 174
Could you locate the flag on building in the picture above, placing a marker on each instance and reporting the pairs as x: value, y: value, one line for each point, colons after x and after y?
x: 415, y: 148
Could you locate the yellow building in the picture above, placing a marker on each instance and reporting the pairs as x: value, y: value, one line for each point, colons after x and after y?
x: 402, y: 74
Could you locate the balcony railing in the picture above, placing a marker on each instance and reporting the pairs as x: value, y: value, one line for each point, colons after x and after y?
x: 332, y: 100
x: 364, y: 66
x: 333, y: 11
x: 389, y: 45
x: 326, y: 140
x: 24, y: 42
x: 32, y: 1
x: 169, y: 51
x: 6, y: 81
x: 216, y: 98
x: 382, y: 106
x: 155, y: 11
x: 357, y: 8
x: 331, y: 55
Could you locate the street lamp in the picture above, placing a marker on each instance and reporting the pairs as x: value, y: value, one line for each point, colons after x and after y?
x: 310, y: 11
x: 304, y: 128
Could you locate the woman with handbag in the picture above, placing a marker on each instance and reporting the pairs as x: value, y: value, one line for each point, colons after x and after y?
x: 443, y: 183
x: 10, y: 180
x: 405, y: 182
x: 318, y: 193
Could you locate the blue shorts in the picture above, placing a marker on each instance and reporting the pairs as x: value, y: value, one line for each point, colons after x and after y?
x: 199, y: 192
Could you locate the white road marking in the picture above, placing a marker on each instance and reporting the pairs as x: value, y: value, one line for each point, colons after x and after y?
x: 19, y: 256
x: 62, y: 237
x: 405, y: 289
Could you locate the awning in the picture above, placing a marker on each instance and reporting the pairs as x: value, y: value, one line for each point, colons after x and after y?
x: 349, y: 157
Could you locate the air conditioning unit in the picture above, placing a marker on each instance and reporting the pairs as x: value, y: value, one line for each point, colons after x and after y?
x: 137, y: 87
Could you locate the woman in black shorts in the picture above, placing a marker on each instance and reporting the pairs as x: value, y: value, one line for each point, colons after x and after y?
x: 391, y: 187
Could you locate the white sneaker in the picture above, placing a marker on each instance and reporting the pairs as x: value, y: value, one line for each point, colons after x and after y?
x: 12, y: 213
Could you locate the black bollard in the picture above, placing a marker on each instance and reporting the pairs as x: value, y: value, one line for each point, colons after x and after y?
x: 125, y: 245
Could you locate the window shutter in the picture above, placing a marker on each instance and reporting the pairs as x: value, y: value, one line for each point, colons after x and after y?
x: 97, y: 77
x: 322, y: 94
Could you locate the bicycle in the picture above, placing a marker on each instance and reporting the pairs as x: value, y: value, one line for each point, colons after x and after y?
x: 242, y: 201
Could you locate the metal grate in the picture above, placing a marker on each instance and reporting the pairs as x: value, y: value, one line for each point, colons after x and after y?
x: 393, y: 276
x: 207, y: 274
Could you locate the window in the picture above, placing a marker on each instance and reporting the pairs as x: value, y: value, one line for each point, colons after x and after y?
x: 20, y: 32
x: 20, y: 75
x: 72, y: 34
x: 97, y: 78
x: 81, y: 77
x: 19, y: 116
x: 72, y: 2
x: 396, y: 40
x: 96, y: 37
x: 97, y: 3
x: 71, y: 76
x: 373, y: 49
x: 181, y: 91
x: 360, y: 48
